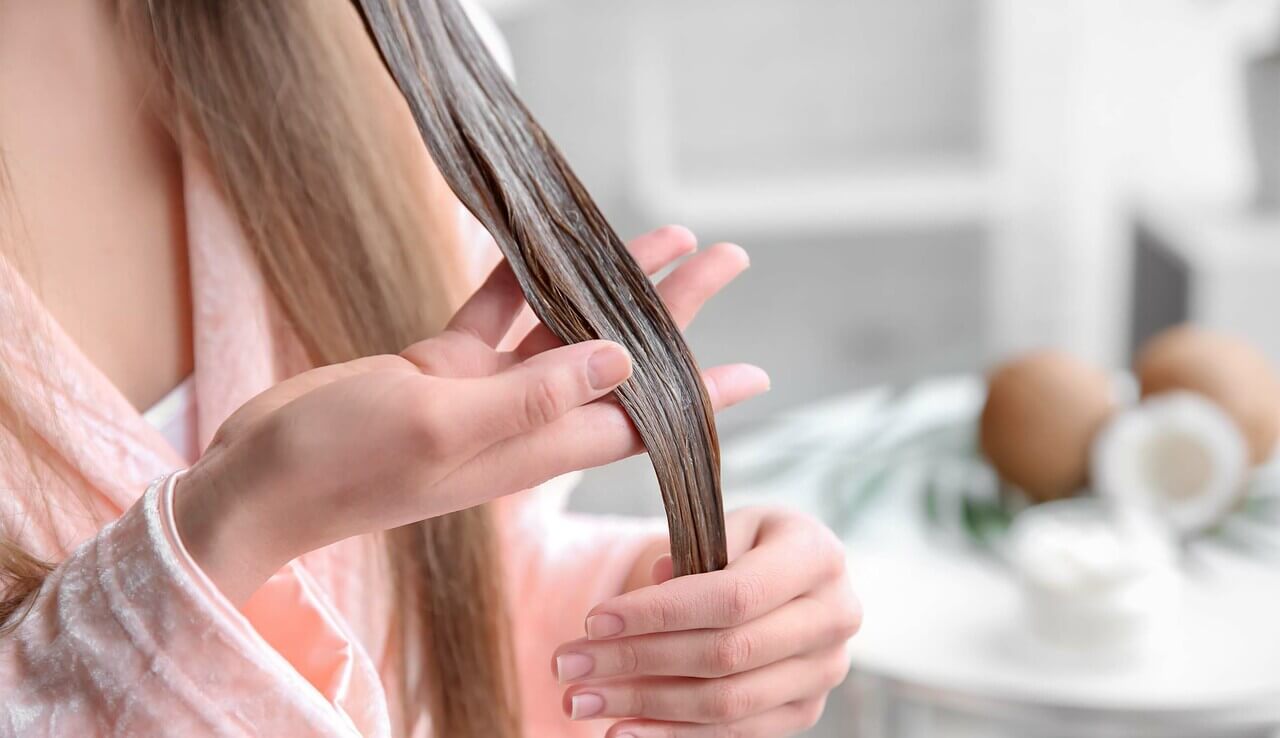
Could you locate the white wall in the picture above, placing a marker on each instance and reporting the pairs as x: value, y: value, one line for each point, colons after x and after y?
x: 1100, y: 104
x: 1036, y: 123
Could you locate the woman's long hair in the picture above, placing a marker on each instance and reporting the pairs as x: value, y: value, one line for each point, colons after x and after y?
x: 278, y: 96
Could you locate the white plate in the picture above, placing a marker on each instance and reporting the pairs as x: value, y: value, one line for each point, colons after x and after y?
x: 944, y: 614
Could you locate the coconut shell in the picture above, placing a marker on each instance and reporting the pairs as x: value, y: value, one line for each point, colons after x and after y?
x: 1229, y: 371
x: 1042, y: 412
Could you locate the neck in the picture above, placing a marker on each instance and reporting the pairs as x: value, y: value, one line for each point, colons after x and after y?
x: 73, y: 111
x: 94, y: 186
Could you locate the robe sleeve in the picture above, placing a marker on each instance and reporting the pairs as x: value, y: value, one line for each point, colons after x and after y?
x: 128, y: 637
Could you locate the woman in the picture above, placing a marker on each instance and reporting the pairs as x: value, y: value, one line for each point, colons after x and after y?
x: 219, y: 197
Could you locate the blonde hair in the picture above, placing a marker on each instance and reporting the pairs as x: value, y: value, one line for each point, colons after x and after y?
x: 278, y: 96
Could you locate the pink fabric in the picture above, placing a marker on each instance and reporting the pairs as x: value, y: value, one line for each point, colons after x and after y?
x: 128, y: 637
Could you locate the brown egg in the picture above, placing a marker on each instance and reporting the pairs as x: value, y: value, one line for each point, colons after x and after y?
x: 1041, y: 415
x: 1226, y: 369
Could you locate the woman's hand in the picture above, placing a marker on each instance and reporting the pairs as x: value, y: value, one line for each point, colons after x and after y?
x: 750, y: 651
x: 450, y: 423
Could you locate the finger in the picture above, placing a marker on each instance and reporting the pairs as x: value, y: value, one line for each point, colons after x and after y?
x: 684, y: 291
x: 788, y: 560
x: 659, y: 248
x: 699, y: 278
x: 457, y: 355
x: 804, y: 625
x: 653, y: 252
x: 589, y: 436
x: 491, y: 310
x: 789, y: 719
x: 534, y: 393
x: 663, y: 569
x: 716, y: 701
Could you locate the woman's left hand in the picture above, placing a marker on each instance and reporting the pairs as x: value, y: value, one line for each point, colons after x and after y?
x: 754, y: 648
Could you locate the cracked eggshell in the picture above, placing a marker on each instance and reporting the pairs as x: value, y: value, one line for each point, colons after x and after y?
x: 1041, y: 414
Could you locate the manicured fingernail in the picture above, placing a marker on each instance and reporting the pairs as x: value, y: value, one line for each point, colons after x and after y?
x: 573, y: 666
x: 603, y: 626
x: 586, y: 705
x: 608, y: 367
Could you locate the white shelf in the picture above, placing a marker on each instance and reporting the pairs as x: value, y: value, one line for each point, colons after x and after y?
x: 501, y: 9
x: 917, y: 196
x: 1230, y: 262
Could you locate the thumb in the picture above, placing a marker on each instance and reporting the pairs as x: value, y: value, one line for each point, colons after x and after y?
x: 540, y: 390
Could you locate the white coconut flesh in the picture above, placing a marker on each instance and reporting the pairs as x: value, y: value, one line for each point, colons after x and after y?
x: 1177, y: 456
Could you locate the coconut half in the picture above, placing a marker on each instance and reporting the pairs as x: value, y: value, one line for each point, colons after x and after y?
x: 1177, y: 456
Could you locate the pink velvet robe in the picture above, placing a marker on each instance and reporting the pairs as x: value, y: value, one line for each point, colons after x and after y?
x: 129, y: 638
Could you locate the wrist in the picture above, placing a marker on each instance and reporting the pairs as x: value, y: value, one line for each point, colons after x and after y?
x: 223, y: 537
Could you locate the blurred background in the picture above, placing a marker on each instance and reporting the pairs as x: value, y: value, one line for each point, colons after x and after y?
x: 925, y: 187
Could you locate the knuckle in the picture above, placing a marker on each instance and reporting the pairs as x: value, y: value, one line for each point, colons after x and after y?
x: 831, y: 552
x: 728, y: 702
x: 849, y: 621
x: 384, y: 362
x: 660, y: 612
x: 543, y: 402
x: 834, y: 670
x: 731, y: 652
x: 637, y: 700
x: 438, y: 355
x: 811, y: 712
x: 744, y: 597
x: 427, y: 363
x: 426, y: 425
x: 627, y: 657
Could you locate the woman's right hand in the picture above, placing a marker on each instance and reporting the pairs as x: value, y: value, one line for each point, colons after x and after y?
x: 450, y: 423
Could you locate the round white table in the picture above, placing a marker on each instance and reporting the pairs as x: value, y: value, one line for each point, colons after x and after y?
x: 945, y: 649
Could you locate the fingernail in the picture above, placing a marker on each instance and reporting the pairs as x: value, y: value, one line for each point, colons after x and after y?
x: 585, y: 706
x: 573, y: 666
x: 608, y: 367
x: 626, y: 735
x: 603, y: 626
